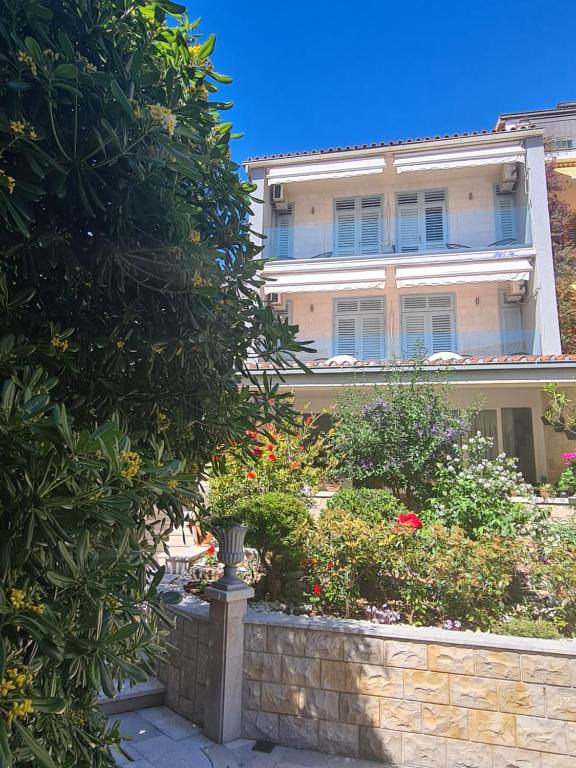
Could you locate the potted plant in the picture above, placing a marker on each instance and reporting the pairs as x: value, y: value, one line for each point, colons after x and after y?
x: 332, y: 483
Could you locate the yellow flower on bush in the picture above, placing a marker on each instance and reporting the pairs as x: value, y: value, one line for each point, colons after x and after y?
x: 172, y: 483
x: 163, y: 422
x: 195, y: 236
x: 5, y: 687
x: 164, y: 117
x: 120, y: 344
x: 17, y: 127
x: 8, y: 181
x: 132, y: 462
x: 25, y: 58
x: 19, y: 602
x: 59, y: 344
x: 20, y: 710
x: 194, y: 49
x: 200, y: 282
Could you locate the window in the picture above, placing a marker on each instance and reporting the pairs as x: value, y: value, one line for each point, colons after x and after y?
x: 506, y: 220
x: 358, y: 226
x: 511, y: 330
x: 421, y: 220
x: 284, y: 312
x: 359, y: 328
x: 428, y: 324
x: 283, y: 233
x: 558, y: 143
x: 518, y: 439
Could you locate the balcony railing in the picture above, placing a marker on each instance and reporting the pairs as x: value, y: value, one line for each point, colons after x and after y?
x: 406, y: 233
x: 481, y: 343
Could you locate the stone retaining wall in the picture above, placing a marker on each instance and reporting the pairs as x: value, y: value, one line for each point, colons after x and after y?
x: 185, y: 672
x: 410, y: 697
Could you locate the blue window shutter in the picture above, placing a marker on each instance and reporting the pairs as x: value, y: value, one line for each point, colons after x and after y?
x: 283, y: 231
x: 505, y: 217
x: 345, y: 227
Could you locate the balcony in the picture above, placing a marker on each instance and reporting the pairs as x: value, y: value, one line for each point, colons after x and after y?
x: 419, y: 224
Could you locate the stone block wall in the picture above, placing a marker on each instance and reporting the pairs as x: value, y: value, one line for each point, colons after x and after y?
x: 185, y: 670
x: 404, y: 696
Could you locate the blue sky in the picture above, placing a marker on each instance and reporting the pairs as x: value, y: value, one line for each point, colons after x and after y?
x: 314, y: 73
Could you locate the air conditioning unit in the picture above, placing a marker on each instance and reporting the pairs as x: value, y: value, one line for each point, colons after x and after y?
x: 278, y: 193
x: 273, y: 299
x: 508, y: 178
x: 516, y: 291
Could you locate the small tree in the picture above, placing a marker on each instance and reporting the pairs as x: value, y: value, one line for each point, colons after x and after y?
x: 394, y: 435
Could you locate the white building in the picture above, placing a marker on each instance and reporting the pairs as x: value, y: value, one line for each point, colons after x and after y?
x: 438, y: 245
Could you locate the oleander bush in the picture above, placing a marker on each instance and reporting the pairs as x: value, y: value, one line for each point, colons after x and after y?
x: 128, y: 303
x: 374, y: 505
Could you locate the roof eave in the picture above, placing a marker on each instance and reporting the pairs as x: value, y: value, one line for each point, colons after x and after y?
x: 410, y: 146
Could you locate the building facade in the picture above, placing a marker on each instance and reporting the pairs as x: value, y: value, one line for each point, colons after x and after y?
x: 436, y: 248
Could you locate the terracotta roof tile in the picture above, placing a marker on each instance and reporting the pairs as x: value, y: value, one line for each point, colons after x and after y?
x: 376, y: 145
x: 472, y: 360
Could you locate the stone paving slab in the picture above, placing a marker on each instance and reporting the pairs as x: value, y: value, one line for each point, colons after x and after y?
x: 156, y: 737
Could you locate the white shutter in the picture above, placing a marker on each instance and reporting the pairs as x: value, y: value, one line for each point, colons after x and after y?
x: 505, y: 217
x: 283, y: 233
x: 441, y: 332
x: 428, y: 323
x: 359, y: 328
x: 511, y: 326
x: 370, y: 225
x: 434, y: 219
x: 345, y: 226
x: 346, y: 336
x: 421, y: 220
x: 414, y: 327
x: 408, y: 222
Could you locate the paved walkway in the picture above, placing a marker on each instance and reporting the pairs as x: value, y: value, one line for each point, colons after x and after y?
x: 159, y: 738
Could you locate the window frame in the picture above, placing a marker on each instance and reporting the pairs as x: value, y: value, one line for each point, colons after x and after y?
x: 421, y: 205
x: 357, y: 225
x: 428, y: 312
x: 357, y: 314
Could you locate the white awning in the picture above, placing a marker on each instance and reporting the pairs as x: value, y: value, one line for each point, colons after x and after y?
x: 318, y: 171
x: 313, y: 287
x: 499, y: 270
x: 337, y: 280
x: 430, y: 161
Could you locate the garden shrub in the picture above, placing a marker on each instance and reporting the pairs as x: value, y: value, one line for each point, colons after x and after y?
x: 339, y: 554
x: 277, y: 526
x: 439, y: 574
x: 276, y: 460
x: 397, y: 434
x: 567, y: 480
x: 555, y: 574
x: 473, y: 492
x: 373, y: 505
x: 128, y: 304
x: 526, y: 627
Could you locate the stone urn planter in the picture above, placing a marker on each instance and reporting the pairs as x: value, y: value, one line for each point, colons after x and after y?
x: 230, y: 553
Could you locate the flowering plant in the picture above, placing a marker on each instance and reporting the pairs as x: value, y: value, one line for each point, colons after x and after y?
x: 275, y: 460
x: 473, y: 491
x: 567, y: 480
x: 396, y: 435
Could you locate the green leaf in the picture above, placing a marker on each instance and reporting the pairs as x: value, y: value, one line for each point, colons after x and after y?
x: 171, y: 7
x: 19, y: 85
x: 207, y: 48
x: 53, y: 706
x: 8, y: 395
x: 66, y: 45
x: 120, y: 97
x: 59, y: 580
x: 34, y: 50
x: 37, y: 750
x: 65, y: 71
x: 220, y: 78
x: 5, y: 754
x: 2, y: 656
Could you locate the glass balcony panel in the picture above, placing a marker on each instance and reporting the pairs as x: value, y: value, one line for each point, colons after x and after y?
x: 430, y: 230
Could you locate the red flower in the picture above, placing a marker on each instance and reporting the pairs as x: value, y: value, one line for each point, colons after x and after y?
x: 251, y: 475
x: 257, y: 451
x: 215, y: 457
x: 253, y: 435
x: 272, y: 456
x: 329, y: 566
x: 270, y: 447
x: 410, y: 519
x: 296, y: 465
x: 316, y: 589
x: 308, y: 420
x: 211, y: 550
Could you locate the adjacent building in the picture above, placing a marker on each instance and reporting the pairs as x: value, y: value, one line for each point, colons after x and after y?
x: 437, y: 247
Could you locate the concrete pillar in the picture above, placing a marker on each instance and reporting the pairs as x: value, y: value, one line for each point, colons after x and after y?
x: 223, y: 713
x: 547, y: 331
